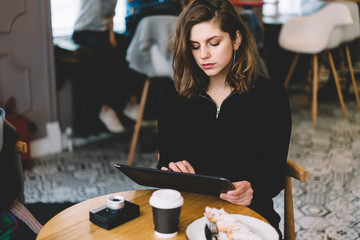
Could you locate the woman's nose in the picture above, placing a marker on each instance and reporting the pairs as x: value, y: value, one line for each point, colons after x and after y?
x: 204, y: 53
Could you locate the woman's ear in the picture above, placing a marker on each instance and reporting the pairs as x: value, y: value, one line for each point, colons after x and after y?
x: 237, y: 41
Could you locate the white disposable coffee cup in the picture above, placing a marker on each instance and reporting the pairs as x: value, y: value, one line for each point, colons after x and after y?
x: 166, y: 205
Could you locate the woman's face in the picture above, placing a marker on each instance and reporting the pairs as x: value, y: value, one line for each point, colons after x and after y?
x: 212, y: 49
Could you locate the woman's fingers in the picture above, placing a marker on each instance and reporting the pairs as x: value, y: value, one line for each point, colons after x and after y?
x: 174, y: 167
x: 242, y: 195
x: 181, y: 166
x: 188, y: 166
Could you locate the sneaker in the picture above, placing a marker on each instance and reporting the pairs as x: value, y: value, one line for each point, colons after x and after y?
x: 131, y: 111
x: 111, y: 121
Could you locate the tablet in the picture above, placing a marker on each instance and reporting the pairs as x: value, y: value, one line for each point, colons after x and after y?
x: 179, y: 181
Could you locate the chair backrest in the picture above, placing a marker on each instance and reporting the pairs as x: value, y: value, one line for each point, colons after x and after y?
x: 311, y: 34
x: 352, y: 31
x: 148, y: 52
x: 347, y: 32
x: 293, y: 170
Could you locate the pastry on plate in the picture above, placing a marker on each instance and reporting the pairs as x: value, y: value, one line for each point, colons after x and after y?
x: 229, y: 225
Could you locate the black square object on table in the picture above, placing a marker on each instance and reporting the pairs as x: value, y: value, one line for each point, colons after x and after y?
x: 101, y: 217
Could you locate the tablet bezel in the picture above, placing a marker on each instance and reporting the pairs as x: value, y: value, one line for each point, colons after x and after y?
x: 179, y: 181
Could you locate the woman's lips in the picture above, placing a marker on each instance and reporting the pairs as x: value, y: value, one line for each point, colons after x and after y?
x: 208, y: 65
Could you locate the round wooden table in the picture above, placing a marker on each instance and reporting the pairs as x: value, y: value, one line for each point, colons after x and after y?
x: 74, y: 223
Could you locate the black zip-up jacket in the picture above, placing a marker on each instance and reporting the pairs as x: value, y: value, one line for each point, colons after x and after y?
x: 246, y: 138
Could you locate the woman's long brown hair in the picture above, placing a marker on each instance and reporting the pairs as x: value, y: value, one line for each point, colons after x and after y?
x: 189, y: 79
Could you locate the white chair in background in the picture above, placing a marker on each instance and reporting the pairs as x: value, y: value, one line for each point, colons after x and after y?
x: 313, y: 34
x: 351, y: 33
x: 148, y: 54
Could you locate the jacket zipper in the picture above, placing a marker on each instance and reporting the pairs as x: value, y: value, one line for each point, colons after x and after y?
x: 218, y: 108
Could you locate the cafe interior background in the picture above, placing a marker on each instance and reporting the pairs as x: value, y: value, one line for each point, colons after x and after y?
x: 72, y: 155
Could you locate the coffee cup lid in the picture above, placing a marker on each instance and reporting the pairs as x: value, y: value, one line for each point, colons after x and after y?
x: 166, y: 199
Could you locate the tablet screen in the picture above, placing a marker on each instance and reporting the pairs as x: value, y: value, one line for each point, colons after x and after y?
x: 179, y: 181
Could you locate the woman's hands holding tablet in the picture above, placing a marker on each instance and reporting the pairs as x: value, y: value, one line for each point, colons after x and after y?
x: 242, y: 195
x: 180, y: 166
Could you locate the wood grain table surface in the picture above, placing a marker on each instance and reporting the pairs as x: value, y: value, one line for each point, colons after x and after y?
x: 74, y: 223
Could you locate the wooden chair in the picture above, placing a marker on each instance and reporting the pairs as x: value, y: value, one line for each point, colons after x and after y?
x: 351, y: 33
x: 17, y: 207
x: 148, y: 54
x: 316, y: 34
x: 293, y: 170
x: 21, y: 147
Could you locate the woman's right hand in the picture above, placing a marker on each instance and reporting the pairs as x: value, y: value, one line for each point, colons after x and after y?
x: 180, y: 166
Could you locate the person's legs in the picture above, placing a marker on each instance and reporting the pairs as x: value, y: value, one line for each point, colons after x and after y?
x: 93, y: 39
x: 136, y: 83
x: 113, y: 92
x: 110, y: 119
x: 130, y: 82
x: 119, y: 86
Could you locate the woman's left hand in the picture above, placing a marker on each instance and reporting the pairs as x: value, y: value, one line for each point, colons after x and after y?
x: 242, y: 195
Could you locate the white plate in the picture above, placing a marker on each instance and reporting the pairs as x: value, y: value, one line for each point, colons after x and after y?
x: 195, y: 231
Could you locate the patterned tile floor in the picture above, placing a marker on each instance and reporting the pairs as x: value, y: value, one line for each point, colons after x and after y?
x: 328, y: 205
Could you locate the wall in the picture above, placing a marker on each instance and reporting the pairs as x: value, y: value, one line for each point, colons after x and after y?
x: 27, y: 62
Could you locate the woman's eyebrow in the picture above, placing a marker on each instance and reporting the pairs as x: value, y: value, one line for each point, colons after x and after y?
x: 207, y: 40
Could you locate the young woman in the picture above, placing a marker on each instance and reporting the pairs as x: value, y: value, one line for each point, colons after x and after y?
x: 219, y: 117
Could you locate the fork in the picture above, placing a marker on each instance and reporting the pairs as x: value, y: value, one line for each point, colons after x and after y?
x: 213, y: 229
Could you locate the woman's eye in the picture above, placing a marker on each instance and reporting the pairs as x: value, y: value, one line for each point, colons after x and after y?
x: 215, y: 44
x: 195, y: 47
